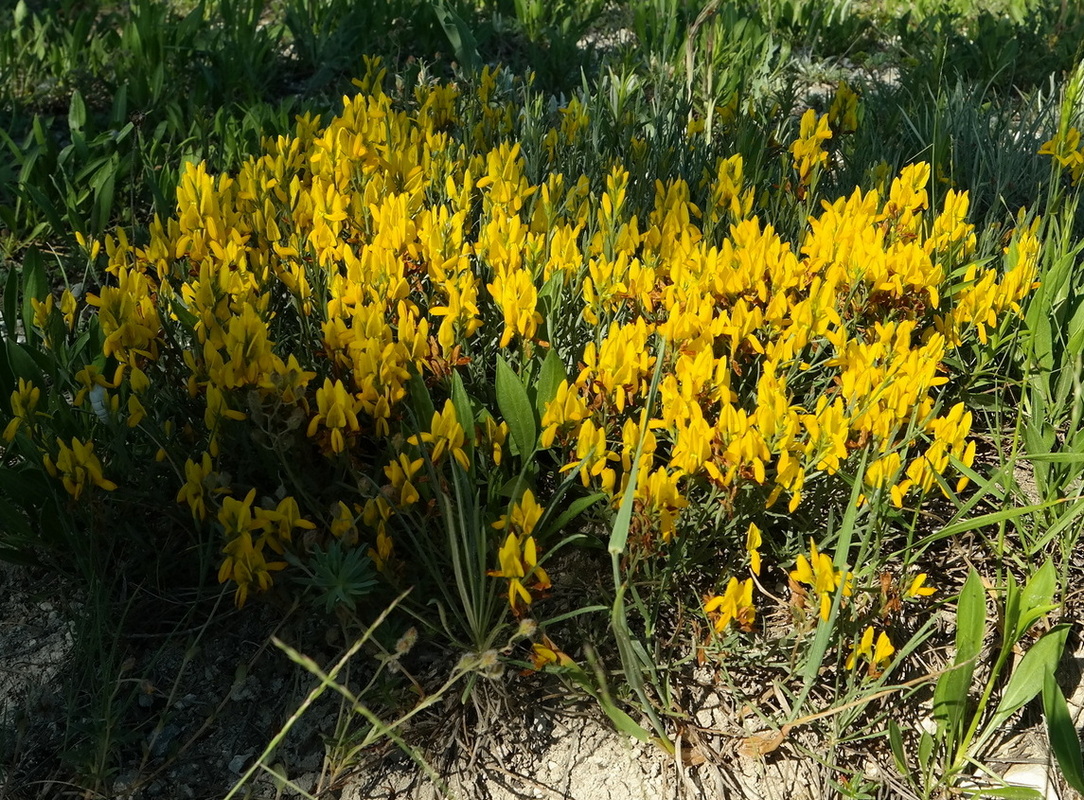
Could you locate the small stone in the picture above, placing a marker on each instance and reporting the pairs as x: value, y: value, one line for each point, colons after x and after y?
x: 237, y: 764
x: 307, y: 781
x: 1033, y: 776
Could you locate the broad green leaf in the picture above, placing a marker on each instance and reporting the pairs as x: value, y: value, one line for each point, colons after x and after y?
x: 925, y: 751
x: 22, y: 364
x: 1061, y: 730
x: 950, y: 697
x: 1036, y: 598
x: 77, y: 112
x: 1027, y: 679
x: 549, y: 378
x: 895, y: 741
x: 35, y: 287
x: 20, y: 558
x: 970, y: 618
x: 1075, y: 345
x: 459, y: 36
x: 516, y: 409
x: 420, y: 399
x: 464, y: 409
x: 14, y: 522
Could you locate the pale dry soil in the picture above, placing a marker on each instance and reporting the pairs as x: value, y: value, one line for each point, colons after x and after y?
x: 200, y: 705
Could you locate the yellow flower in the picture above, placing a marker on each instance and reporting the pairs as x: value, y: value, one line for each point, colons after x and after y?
x: 446, y: 435
x: 24, y: 401
x: 736, y: 604
x: 194, y: 491
x: 808, y: 149
x: 843, y: 115
x: 401, y: 473
x: 918, y: 589
x: 280, y: 523
x: 753, y: 540
x: 877, y: 655
x: 342, y: 520
x: 524, y: 515
x: 818, y: 573
x: 337, y: 411
x: 76, y: 466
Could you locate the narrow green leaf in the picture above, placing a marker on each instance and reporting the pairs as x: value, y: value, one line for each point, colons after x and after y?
x: 11, y: 302
x: 619, y: 533
x: 516, y: 409
x: 993, y: 518
x: 1064, y: 740
x: 575, y: 508
x: 1014, y: 793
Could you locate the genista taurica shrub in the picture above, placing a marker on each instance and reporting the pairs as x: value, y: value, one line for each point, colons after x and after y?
x: 380, y: 337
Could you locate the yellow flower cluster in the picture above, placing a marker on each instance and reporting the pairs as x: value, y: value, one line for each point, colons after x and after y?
x: 398, y: 240
x: 1066, y: 150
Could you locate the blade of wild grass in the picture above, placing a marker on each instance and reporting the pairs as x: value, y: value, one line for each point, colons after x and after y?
x: 632, y: 658
x: 327, y: 680
x: 1061, y: 728
x: 823, y: 636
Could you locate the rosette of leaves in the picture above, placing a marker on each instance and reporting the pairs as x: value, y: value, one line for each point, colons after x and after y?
x: 336, y: 576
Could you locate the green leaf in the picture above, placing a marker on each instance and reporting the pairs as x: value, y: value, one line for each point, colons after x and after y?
x: 464, y: 409
x: 1027, y: 679
x: 15, y: 523
x: 1013, y: 793
x: 619, y: 533
x: 950, y: 697
x: 19, y: 558
x: 1036, y: 599
x: 516, y: 409
x: 1064, y: 740
x: 925, y: 751
x: 22, y: 364
x: 77, y: 112
x: 1075, y: 345
x: 459, y: 36
x: 420, y: 399
x: 11, y: 303
x: 549, y: 379
x: 575, y: 508
x: 35, y: 287
x: 895, y: 741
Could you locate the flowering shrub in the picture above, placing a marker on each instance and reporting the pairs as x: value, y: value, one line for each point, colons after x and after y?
x: 393, y: 308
